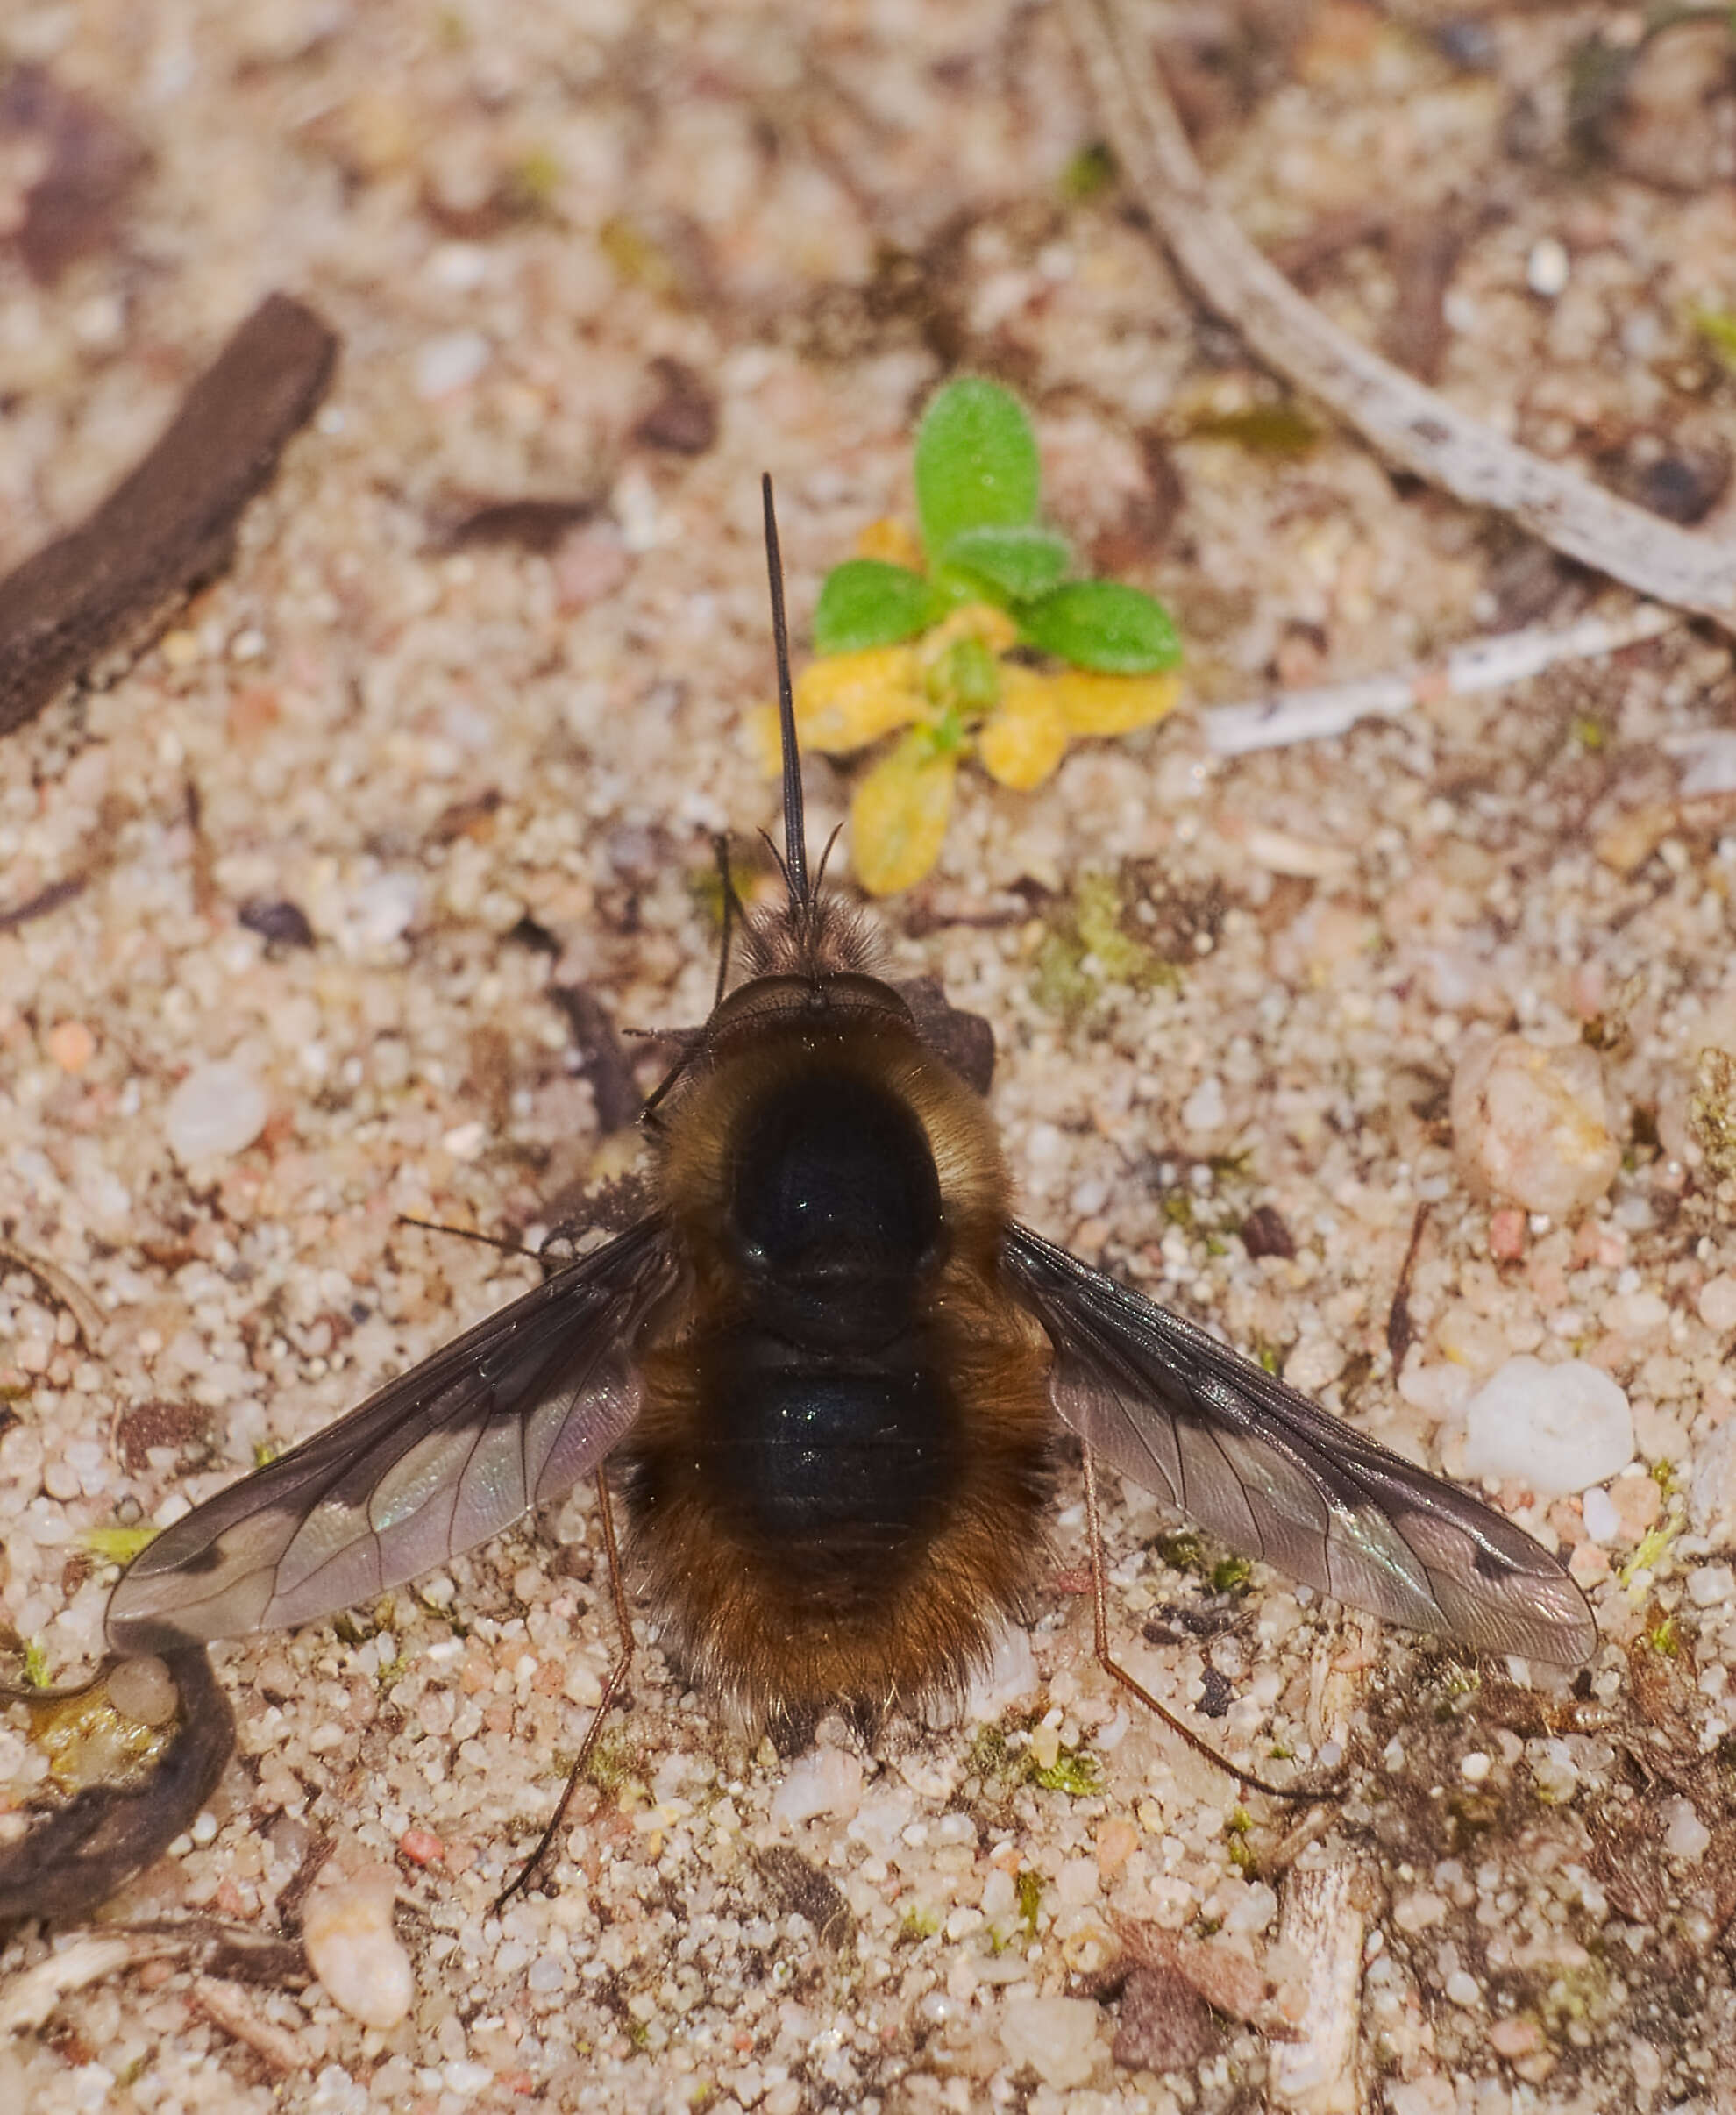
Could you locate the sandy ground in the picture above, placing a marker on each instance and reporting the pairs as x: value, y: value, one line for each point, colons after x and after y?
x: 482, y: 770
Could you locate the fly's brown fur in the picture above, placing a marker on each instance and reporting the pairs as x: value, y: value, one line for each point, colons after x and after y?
x: 790, y: 1627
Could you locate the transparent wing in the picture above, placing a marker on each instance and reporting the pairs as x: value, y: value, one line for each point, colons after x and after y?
x: 1259, y: 1464
x: 514, y: 1412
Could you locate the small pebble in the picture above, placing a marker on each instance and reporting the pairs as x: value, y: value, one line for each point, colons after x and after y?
x: 1475, y: 1768
x: 421, y: 1847
x: 1711, y: 1487
x: 1463, y: 1990
x: 1638, y: 1501
x: 1685, y: 1835
x: 352, y: 1947
x: 825, y: 1781
x: 1718, y: 1303
x: 1204, y: 1112
x: 71, y: 1046
x: 1603, y: 1522
x: 589, y: 566
x: 218, y: 1108
x: 1059, y: 2037
x: 1554, y: 1771
x: 1506, y: 1234
x: 1548, y: 268
x: 1557, y: 1429
x: 1166, y: 2023
x: 1530, y: 1123
x: 143, y: 1690
x: 1432, y: 2095
x: 1515, y: 2037
x: 1711, y: 1585
x: 1415, y: 1911
x: 385, y: 908
x: 444, y: 366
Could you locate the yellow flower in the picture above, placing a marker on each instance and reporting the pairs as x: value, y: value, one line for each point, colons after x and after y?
x: 897, y: 819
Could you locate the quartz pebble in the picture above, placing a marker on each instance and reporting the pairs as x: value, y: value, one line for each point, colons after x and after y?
x: 1059, y: 2037
x: 1556, y: 1429
x: 353, y: 1948
x: 1432, y: 2095
x: 1718, y: 1303
x: 1711, y: 1585
x: 1603, y: 1522
x: 143, y: 1690
x: 219, y: 1108
x: 1685, y: 1835
x: 444, y: 366
x: 1532, y: 1124
x: 1711, y: 1487
x: 825, y: 1781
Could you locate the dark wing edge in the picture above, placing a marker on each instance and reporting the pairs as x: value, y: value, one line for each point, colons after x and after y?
x: 1278, y: 1479
x: 514, y: 1412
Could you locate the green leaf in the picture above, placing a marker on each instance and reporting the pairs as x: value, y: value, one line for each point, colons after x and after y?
x: 976, y: 463
x: 867, y: 602
x: 1012, y: 564
x: 1102, y: 624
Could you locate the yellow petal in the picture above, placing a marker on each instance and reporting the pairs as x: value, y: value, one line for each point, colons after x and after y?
x: 1093, y: 704
x: 846, y: 700
x: 897, y: 819
x: 894, y: 541
x: 1023, y: 740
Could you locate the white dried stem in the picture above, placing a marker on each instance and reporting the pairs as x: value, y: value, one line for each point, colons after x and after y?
x: 1488, y: 663
x: 1320, y: 1934
x: 1407, y: 423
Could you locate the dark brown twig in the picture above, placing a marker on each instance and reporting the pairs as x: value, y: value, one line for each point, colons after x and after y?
x: 110, y: 583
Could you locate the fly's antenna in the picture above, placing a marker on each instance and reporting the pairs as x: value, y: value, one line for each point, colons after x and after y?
x: 795, y: 861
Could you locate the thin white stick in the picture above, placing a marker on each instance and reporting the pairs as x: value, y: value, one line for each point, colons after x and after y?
x: 1491, y: 664
x: 1405, y: 422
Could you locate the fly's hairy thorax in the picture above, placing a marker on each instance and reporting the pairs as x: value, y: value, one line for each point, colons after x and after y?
x: 837, y: 1481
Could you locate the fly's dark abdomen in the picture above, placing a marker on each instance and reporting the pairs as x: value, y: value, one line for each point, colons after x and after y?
x: 846, y: 1467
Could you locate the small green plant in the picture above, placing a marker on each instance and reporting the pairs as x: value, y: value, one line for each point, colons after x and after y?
x: 1088, y: 945
x: 1027, y: 1889
x: 35, y: 1665
x: 117, y: 1545
x: 1075, y: 1771
x: 973, y: 640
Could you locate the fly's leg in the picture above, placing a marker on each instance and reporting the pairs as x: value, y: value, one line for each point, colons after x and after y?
x: 611, y: 1689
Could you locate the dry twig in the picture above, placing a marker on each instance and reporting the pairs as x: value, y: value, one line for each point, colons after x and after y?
x: 1407, y: 423
x: 108, y: 585
x: 60, y: 1286
x: 1488, y: 663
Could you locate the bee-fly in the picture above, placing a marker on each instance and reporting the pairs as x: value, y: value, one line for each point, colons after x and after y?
x: 826, y: 1371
